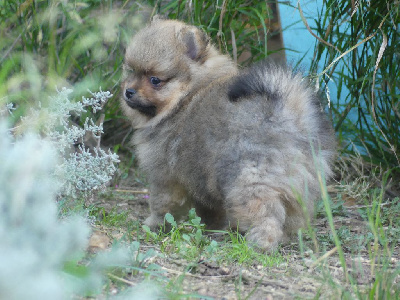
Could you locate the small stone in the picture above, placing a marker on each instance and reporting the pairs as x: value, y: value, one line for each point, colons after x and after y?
x: 98, y: 241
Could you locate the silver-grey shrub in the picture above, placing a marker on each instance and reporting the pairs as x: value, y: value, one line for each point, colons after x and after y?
x: 81, y: 170
x: 34, y: 242
x: 36, y: 168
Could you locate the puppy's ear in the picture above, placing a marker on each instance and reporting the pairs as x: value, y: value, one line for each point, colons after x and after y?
x: 195, y: 41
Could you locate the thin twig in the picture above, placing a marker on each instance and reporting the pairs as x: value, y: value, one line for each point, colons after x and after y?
x: 323, y: 257
x: 11, y: 47
x: 131, y: 191
x: 194, y: 275
x: 367, y: 206
x: 312, y: 33
x: 354, y: 7
x: 221, y: 17
x: 234, y: 48
x: 248, y: 276
x: 345, y: 53
x: 121, y: 279
x: 380, y: 55
x: 153, y: 12
x: 99, y: 121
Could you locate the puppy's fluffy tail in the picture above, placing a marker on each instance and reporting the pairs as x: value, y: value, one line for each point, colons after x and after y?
x: 265, y: 78
x: 253, y: 81
x: 288, y: 97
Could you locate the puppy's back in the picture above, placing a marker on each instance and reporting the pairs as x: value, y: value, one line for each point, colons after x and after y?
x: 266, y: 121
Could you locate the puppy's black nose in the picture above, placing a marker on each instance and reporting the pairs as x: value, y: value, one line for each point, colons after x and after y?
x: 129, y: 93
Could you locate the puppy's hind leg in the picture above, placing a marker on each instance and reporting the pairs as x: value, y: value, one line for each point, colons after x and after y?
x: 258, y: 211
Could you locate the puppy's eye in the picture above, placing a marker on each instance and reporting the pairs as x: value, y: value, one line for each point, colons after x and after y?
x: 155, y: 81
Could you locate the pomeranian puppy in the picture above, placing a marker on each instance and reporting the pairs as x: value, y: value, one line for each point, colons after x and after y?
x: 248, y: 149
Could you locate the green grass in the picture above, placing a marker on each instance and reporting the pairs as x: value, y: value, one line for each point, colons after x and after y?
x: 114, y: 218
x: 375, y: 244
x: 190, y: 240
x: 236, y: 250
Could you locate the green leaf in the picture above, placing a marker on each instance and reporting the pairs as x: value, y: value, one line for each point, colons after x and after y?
x: 74, y: 269
x: 170, y: 219
x: 198, y: 236
x: 186, y: 237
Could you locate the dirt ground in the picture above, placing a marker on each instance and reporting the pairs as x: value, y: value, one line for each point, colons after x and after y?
x: 301, y: 276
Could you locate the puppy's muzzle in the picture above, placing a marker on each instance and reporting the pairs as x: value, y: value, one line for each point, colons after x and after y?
x: 133, y: 100
x: 129, y: 93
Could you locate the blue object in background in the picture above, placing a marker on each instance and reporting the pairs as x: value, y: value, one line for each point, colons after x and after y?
x: 296, y: 38
x: 299, y: 42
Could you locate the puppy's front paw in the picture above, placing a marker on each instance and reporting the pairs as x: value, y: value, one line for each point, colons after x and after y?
x: 154, y: 222
x: 265, y: 237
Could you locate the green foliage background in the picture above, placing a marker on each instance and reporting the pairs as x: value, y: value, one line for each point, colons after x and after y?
x: 48, y: 43
x: 365, y: 36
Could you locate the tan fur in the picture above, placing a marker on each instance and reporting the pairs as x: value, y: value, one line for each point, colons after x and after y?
x: 241, y: 147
